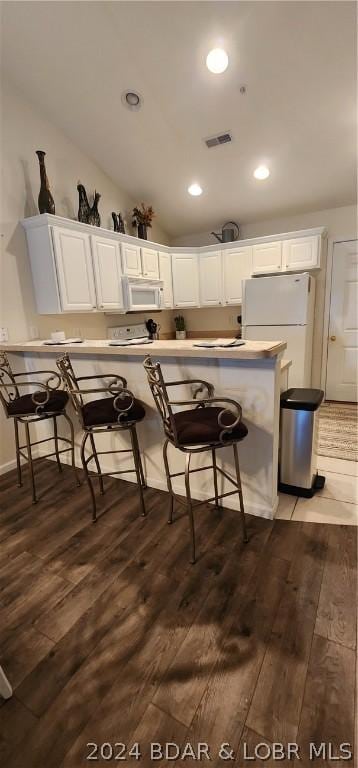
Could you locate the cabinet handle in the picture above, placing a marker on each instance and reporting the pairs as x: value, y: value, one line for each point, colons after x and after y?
x: 278, y: 266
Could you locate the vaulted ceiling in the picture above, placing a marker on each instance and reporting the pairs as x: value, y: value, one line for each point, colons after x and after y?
x: 298, y: 63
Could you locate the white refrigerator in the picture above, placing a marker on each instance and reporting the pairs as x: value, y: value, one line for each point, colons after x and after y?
x: 281, y: 308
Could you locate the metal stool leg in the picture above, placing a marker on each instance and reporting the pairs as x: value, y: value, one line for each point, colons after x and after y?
x: 169, y: 481
x: 55, y: 435
x: 73, y: 463
x: 29, y: 458
x: 18, y: 457
x: 190, y: 507
x: 137, y: 466
x: 98, y: 467
x: 215, y: 473
x: 88, y: 477
x: 238, y: 478
x: 143, y: 480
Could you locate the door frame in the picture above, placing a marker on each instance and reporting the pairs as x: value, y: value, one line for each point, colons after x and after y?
x: 332, y: 242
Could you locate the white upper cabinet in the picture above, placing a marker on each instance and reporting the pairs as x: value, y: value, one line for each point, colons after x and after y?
x: 301, y: 253
x: 131, y: 261
x: 185, y: 279
x: 78, y: 268
x: 108, y: 272
x: 150, y: 263
x: 74, y: 269
x: 237, y: 266
x: 267, y: 258
x: 210, y: 279
x: 165, y: 274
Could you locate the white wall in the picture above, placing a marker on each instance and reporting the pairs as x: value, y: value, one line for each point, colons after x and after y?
x: 23, y: 131
x: 341, y: 224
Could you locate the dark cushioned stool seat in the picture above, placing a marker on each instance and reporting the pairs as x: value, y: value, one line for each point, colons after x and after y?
x: 200, y: 426
x: 25, y: 406
x: 102, y: 411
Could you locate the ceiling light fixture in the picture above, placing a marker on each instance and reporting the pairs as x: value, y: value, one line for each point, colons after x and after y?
x: 195, y: 190
x: 217, y: 61
x: 132, y: 100
x: 262, y: 172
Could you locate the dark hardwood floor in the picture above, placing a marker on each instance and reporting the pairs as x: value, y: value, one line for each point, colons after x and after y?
x: 109, y: 635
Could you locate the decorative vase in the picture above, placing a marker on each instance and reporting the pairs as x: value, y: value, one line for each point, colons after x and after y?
x: 46, y: 201
x: 83, y: 204
x: 94, y: 217
x: 142, y: 232
x: 180, y: 335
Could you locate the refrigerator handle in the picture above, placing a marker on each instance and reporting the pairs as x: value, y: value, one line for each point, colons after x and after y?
x: 309, y: 283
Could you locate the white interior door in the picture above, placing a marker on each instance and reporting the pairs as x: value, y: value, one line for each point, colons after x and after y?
x: 342, y: 360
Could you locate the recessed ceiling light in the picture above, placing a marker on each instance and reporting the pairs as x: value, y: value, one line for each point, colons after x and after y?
x: 217, y: 61
x: 195, y: 190
x: 262, y: 172
x: 132, y: 99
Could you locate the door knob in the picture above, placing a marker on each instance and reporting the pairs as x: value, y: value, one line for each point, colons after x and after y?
x: 333, y: 338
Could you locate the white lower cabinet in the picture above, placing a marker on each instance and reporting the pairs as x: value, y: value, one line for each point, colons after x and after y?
x: 301, y: 253
x: 267, y: 258
x: 211, y: 279
x: 74, y: 270
x: 237, y: 266
x: 131, y: 260
x: 150, y: 263
x: 108, y: 272
x: 185, y: 279
x: 165, y: 274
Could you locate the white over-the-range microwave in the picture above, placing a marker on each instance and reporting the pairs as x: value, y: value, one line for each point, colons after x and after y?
x: 142, y: 293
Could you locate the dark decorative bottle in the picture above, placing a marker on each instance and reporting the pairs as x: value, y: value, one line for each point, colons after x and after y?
x: 94, y: 217
x: 83, y: 204
x: 46, y: 201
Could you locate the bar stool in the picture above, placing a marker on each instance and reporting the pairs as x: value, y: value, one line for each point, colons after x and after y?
x: 205, y: 426
x: 48, y: 401
x: 120, y: 412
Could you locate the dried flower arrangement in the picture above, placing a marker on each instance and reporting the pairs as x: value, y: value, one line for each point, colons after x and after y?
x: 143, y: 215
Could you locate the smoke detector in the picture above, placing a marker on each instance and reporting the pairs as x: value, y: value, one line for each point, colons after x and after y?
x: 220, y: 138
x: 132, y: 100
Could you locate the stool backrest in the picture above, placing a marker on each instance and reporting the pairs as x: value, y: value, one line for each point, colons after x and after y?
x: 160, y: 395
x: 71, y: 383
x: 8, y: 389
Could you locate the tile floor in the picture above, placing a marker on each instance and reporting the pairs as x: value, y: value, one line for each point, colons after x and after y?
x: 337, y: 503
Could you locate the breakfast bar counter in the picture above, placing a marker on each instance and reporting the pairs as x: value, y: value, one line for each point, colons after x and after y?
x: 250, y: 374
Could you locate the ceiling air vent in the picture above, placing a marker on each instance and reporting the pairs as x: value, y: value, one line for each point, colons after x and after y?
x: 221, y: 138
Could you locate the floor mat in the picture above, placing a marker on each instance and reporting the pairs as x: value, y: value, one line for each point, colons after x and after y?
x: 338, y: 431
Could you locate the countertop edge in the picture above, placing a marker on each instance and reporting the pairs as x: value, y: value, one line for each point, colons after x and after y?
x: 167, y: 350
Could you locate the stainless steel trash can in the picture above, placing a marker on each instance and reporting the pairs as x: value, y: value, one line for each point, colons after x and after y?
x: 298, y: 439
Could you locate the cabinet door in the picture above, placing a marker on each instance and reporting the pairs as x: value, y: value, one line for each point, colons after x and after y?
x: 165, y: 273
x: 237, y: 266
x: 74, y: 270
x: 150, y: 263
x: 107, y: 272
x: 267, y: 258
x: 210, y: 279
x: 131, y: 262
x: 301, y: 253
x: 185, y: 279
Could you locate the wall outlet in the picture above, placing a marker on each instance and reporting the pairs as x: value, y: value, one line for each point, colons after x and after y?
x: 4, y: 334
